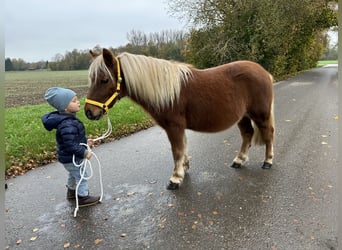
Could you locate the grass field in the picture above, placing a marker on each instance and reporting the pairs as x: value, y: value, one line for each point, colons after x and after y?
x: 28, y: 87
x: 27, y: 143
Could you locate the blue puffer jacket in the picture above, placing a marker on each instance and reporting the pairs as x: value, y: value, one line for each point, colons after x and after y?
x: 70, y: 133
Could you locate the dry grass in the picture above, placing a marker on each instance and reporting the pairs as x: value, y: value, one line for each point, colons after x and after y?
x: 28, y: 87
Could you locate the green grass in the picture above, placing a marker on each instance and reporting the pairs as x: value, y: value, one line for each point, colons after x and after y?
x: 322, y: 63
x: 28, y: 144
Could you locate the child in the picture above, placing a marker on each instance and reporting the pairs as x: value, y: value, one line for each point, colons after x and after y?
x: 70, y: 133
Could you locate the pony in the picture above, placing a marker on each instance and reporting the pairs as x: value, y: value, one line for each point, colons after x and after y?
x: 179, y: 96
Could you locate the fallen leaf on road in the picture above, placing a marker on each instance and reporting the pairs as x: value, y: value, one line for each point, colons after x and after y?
x: 98, y: 241
x: 33, y: 238
x: 66, y: 245
x: 18, y: 242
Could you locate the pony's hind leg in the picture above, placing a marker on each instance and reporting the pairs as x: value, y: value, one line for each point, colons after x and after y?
x: 177, y: 139
x: 266, y: 133
x: 246, y: 131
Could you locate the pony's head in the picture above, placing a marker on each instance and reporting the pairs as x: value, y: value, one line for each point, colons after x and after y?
x: 104, y: 84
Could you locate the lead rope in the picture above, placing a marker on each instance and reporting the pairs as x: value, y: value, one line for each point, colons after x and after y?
x: 86, y: 163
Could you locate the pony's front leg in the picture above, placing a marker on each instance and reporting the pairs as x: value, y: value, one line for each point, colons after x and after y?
x: 177, y: 139
x: 186, y: 162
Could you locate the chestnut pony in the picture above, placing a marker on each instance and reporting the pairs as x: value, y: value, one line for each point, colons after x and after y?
x: 179, y: 96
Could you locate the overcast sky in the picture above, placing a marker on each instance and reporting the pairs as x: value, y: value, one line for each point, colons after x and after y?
x: 39, y: 29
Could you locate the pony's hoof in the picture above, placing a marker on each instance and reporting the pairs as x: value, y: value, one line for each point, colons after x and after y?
x: 266, y: 165
x: 235, y: 165
x: 172, y: 186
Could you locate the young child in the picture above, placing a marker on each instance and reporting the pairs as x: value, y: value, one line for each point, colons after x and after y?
x: 70, y: 132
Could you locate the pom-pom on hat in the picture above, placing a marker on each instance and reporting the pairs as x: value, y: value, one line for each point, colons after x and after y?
x: 59, y: 98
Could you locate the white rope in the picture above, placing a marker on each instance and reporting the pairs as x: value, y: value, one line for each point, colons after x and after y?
x: 108, y: 132
x: 85, y: 163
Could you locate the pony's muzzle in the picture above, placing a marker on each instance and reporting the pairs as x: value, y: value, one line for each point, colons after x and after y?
x: 91, y: 116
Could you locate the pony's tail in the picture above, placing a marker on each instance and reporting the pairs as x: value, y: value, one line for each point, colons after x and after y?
x: 257, y: 138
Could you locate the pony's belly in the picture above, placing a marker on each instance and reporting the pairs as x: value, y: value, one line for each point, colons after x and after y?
x: 211, y: 124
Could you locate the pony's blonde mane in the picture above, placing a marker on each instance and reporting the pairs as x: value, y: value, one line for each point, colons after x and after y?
x: 157, y: 82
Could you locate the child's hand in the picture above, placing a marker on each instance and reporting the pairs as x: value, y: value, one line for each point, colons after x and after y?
x: 89, y: 155
x: 90, y: 142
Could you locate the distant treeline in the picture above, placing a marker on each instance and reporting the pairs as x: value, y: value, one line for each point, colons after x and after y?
x: 169, y: 45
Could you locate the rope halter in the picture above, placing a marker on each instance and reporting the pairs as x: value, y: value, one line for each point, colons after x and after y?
x: 105, y: 105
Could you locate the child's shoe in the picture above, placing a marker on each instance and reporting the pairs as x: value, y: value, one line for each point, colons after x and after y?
x: 84, y: 201
x: 71, y: 194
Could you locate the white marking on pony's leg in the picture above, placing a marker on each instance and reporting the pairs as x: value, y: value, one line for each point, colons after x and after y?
x: 181, y: 165
x: 241, y: 158
x: 269, y: 153
x: 178, y: 171
x: 178, y: 144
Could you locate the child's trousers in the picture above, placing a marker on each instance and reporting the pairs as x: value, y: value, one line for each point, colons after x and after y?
x: 74, y: 177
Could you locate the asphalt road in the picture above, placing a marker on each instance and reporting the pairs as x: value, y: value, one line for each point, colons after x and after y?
x: 291, y: 206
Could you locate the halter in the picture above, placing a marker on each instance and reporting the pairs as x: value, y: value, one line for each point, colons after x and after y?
x: 115, y: 94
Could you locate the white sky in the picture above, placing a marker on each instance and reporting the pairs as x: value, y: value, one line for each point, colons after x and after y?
x: 39, y: 29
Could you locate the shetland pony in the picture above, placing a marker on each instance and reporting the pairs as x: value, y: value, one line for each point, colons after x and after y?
x: 179, y: 96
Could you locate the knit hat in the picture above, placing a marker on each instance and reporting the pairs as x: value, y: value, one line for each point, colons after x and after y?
x: 59, y: 98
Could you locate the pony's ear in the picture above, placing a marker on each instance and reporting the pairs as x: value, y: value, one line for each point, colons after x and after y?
x: 108, y: 57
x: 93, y: 54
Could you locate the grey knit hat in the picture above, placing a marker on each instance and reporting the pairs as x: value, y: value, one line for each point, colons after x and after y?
x: 59, y: 98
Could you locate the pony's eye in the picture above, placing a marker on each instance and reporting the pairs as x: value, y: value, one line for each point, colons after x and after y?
x: 105, y: 81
